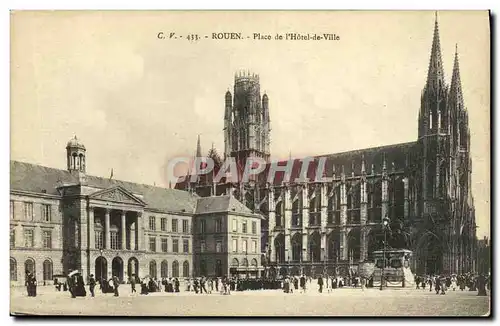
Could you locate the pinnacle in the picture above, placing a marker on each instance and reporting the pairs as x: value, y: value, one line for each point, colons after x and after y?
x: 435, y: 73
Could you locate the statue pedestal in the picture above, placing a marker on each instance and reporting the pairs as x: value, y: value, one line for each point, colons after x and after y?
x: 397, y: 272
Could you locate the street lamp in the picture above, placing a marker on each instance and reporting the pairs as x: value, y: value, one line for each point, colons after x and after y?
x: 101, y: 260
x: 385, y: 224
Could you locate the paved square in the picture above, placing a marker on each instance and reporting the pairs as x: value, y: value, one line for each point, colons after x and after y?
x: 341, y: 302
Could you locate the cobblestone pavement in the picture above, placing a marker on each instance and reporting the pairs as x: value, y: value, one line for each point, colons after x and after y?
x: 341, y: 302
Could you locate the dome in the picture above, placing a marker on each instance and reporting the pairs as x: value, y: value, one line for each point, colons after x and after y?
x: 74, y: 142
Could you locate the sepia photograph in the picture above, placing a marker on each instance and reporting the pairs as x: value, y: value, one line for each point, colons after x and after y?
x: 250, y: 163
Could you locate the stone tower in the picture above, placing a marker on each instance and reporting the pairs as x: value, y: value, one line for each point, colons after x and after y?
x: 443, y: 163
x: 75, y: 156
x: 246, y: 120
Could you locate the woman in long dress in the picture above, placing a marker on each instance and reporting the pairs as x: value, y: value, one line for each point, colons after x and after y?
x: 220, y: 286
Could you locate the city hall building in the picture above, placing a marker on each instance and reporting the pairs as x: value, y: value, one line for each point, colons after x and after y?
x: 424, y: 186
x: 64, y: 220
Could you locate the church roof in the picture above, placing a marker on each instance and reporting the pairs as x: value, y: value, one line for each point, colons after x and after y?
x: 398, y: 154
x: 351, y: 161
x: 41, y: 179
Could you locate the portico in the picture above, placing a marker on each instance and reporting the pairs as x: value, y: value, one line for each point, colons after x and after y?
x: 115, y: 232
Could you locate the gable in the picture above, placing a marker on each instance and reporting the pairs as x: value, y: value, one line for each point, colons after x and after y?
x: 118, y: 195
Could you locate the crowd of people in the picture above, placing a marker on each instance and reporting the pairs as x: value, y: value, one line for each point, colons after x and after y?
x: 225, y: 285
x: 442, y: 283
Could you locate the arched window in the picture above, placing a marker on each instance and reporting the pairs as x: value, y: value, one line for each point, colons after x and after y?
x: 254, y: 262
x: 47, y: 270
x: 164, y: 269
x: 235, y: 262
x: 152, y: 269
x: 80, y: 162
x: 175, y: 269
x: 314, y: 247
x: 296, y: 247
x: 279, y: 213
x: 13, y: 269
x: 296, y: 213
x: 29, y: 266
x: 279, y: 245
x: 185, y: 269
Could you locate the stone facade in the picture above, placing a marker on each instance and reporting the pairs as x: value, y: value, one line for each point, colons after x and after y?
x: 227, y: 243
x: 64, y: 220
x: 333, y: 221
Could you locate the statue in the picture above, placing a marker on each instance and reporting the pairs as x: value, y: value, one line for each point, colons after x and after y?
x: 397, y: 237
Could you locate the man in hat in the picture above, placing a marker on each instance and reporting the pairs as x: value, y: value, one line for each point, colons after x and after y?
x: 116, y: 283
x: 92, y: 284
x: 132, y: 283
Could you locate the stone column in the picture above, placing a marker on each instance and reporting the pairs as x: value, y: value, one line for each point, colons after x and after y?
x: 343, y: 244
x: 288, y: 221
x: 343, y: 218
x: 271, y: 225
x: 363, y: 218
x: 124, y: 231
x: 91, y: 224
x: 407, y: 201
x: 385, y: 199
x: 305, y: 221
x: 139, y: 232
x: 107, y: 229
x: 324, y: 218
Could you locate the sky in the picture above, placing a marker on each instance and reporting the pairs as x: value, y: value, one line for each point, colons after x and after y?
x: 137, y: 101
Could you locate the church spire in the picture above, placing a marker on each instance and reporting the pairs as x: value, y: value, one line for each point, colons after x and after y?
x: 198, y: 147
x: 456, y: 97
x: 435, y: 75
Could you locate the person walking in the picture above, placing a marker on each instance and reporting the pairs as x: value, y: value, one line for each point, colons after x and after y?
x: 437, y: 285
x: 303, y: 284
x: 116, y: 283
x: 202, y: 285
x: 177, y: 285
x: 132, y: 284
x: 92, y: 284
x: 320, y: 283
x: 27, y: 283
x: 481, y: 285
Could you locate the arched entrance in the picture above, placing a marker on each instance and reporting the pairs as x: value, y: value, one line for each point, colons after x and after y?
x: 117, y: 268
x: 101, y: 268
x: 29, y: 266
x: 133, y: 267
x: 429, y: 254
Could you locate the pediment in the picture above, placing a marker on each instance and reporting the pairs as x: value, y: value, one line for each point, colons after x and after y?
x: 117, y: 195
